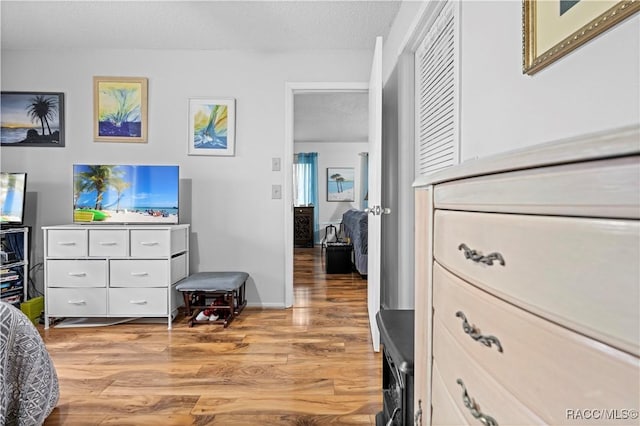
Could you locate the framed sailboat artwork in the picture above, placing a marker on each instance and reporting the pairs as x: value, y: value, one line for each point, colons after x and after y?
x: 212, y: 126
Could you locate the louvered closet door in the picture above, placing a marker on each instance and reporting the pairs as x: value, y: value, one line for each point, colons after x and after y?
x: 436, y: 71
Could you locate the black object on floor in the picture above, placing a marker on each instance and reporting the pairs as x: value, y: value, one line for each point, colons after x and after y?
x: 338, y: 258
x: 396, y: 335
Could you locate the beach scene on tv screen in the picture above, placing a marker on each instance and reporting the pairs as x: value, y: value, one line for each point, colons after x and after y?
x: 125, y: 193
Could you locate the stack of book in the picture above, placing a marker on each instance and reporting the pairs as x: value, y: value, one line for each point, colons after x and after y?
x: 11, y: 286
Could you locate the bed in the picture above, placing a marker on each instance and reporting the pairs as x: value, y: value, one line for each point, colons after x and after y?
x: 355, y: 225
x: 28, y: 381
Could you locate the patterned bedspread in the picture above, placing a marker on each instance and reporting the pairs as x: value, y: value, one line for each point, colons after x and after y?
x: 28, y: 380
x: 356, y: 226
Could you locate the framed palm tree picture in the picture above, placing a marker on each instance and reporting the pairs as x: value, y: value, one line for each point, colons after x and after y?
x: 120, y: 109
x: 340, y: 184
x: 212, y: 126
x: 32, y: 119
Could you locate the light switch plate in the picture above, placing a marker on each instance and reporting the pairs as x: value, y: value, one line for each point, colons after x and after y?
x: 276, y: 192
x: 275, y: 164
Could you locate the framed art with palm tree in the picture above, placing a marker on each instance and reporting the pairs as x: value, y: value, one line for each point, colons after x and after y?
x: 32, y: 119
x: 212, y: 126
x: 120, y: 109
x: 340, y: 184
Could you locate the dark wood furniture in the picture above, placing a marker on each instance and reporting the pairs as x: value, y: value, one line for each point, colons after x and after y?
x: 303, y: 226
x: 338, y: 258
x: 222, y: 292
x: 396, y: 335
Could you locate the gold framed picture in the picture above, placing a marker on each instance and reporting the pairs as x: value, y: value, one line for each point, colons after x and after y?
x: 553, y: 28
x: 120, y: 109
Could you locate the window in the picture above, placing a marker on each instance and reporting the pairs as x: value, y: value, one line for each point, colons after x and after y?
x: 305, y: 183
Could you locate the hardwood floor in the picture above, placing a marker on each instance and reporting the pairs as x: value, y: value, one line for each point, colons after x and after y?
x: 308, y: 365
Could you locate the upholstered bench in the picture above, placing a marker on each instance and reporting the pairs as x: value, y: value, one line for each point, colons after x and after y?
x: 202, y: 289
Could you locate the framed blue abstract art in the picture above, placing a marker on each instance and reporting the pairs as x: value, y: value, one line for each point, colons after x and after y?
x: 212, y: 127
x: 120, y: 109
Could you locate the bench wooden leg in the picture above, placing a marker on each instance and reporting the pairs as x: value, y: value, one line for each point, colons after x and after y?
x: 196, y: 301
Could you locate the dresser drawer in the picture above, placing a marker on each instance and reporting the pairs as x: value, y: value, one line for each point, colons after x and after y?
x: 139, y: 273
x: 491, y: 398
x: 72, y: 302
x: 76, y: 273
x: 150, y: 243
x: 138, y: 301
x: 108, y: 242
x: 557, y: 267
x: 607, y: 188
x: 178, y: 268
x: 179, y: 240
x: 443, y: 407
x: 544, y: 365
x: 67, y: 243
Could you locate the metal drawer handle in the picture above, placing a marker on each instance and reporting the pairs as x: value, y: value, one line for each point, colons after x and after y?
x: 471, y: 405
x: 138, y: 302
x: 473, y: 333
x: 67, y: 243
x: 77, y: 274
x: 139, y: 274
x: 108, y: 243
x: 479, y: 258
x: 417, y: 419
x: 76, y: 302
x: 149, y: 243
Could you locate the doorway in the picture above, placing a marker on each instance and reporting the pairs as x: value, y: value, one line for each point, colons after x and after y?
x: 294, y: 91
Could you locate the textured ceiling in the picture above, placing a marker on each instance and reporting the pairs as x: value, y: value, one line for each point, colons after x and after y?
x: 261, y: 25
x: 205, y: 25
x: 331, y: 117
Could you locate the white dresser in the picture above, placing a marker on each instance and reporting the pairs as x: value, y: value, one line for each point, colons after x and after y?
x: 109, y: 271
x: 528, y: 286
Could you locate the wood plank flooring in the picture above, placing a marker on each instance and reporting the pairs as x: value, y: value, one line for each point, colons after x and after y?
x: 308, y: 365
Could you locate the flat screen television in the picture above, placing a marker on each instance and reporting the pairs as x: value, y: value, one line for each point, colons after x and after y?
x: 13, y: 188
x: 125, y: 194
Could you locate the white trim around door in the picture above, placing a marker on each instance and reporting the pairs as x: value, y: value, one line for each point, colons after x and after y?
x: 290, y: 90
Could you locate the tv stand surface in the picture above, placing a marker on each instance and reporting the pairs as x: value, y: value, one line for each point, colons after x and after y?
x: 114, y: 271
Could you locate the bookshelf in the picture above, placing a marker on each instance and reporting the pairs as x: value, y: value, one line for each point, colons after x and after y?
x: 14, y: 265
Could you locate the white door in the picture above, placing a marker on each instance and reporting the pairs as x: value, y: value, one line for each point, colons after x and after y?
x: 375, y: 192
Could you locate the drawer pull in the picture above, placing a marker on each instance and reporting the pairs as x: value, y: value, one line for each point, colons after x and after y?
x: 417, y: 419
x: 479, y: 258
x: 139, y: 274
x: 108, y: 243
x: 76, y: 302
x: 473, y: 409
x: 473, y: 333
x: 138, y: 302
x: 149, y: 243
x: 67, y: 243
x: 77, y: 274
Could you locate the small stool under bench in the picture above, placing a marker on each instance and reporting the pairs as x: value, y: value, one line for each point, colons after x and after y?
x: 201, y: 289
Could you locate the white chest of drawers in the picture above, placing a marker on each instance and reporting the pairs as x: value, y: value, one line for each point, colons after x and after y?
x: 528, y: 286
x: 109, y: 271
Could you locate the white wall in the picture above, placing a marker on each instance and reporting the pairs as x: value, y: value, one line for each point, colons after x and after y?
x: 334, y: 154
x: 593, y: 88
x: 235, y: 223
